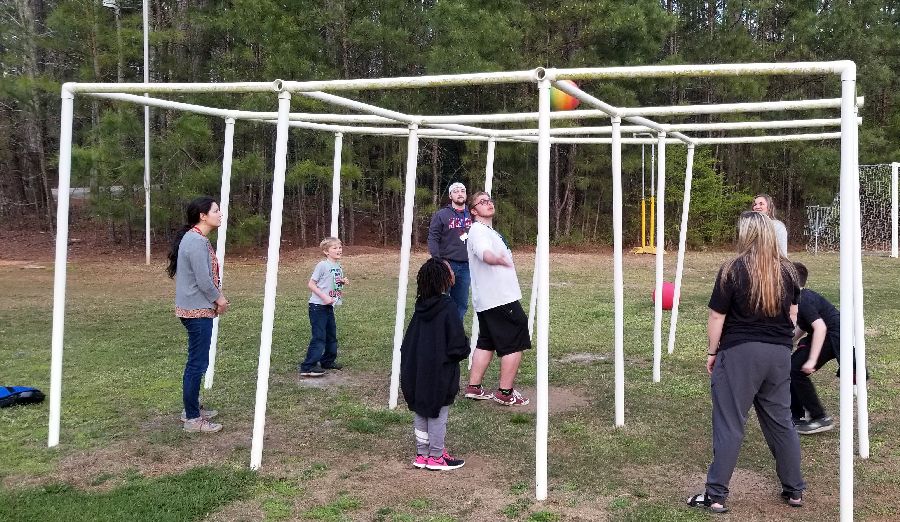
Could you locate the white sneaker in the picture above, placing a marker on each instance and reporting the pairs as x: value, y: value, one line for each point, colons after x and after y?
x: 206, y: 414
x: 201, y: 425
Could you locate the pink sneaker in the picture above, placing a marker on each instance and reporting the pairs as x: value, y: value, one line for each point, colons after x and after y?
x: 443, y: 464
x: 477, y: 393
x: 420, y: 462
x: 513, y: 399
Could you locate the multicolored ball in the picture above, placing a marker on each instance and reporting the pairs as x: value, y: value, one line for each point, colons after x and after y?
x: 560, y: 101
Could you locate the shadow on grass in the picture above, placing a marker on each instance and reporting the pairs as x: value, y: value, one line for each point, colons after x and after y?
x: 189, y: 496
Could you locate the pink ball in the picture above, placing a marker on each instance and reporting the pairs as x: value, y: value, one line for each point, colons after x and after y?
x: 668, y: 295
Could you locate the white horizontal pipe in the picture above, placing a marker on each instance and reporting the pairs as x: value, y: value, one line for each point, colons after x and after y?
x: 705, y: 70
x: 672, y: 110
x: 685, y: 127
x: 770, y: 139
x: 593, y: 73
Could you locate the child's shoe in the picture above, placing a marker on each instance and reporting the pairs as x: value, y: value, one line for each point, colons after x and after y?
x: 443, y: 464
x: 420, y: 462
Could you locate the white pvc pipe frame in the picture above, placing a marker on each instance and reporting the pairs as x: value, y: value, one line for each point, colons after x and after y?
x: 850, y: 270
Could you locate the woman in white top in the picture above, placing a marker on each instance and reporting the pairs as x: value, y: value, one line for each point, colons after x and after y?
x: 763, y: 203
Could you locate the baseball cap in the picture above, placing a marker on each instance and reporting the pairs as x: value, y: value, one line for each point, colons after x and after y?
x: 455, y: 186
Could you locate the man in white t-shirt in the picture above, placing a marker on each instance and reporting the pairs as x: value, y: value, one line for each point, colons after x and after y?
x: 502, y: 324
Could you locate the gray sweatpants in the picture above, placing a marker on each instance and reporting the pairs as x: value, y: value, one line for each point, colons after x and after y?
x: 757, y: 374
x: 430, y: 433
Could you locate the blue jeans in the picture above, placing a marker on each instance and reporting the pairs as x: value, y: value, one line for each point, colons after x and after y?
x: 459, y: 292
x: 199, y: 337
x: 323, y: 343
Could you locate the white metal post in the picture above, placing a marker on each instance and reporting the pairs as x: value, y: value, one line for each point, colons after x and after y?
x: 849, y: 171
x: 682, y: 244
x: 542, y: 418
x: 221, y: 235
x: 894, y: 168
x: 274, y: 252
x: 618, y: 276
x: 59, y: 267
x: 412, y: 157
x: 146, y: 17
x: 859, y: 344
x: 336, y: 184
x: 660, y: 247
x: 532, y: 299
x: 489, y: 165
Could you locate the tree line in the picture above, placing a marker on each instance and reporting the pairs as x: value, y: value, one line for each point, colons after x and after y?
x: 44, y: 43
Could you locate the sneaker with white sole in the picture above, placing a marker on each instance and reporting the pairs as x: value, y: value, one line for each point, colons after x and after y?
x: 477, y: 393
x: 201, y: 425
x: 443, y: 464
x: 819, y: 425
x: 513, y: 399
x: 206, y: 414
x: 420, y: 461
x: 315, y: 371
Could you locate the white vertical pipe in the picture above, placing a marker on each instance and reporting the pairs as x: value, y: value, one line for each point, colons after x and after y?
x: 473, y: 340
x: 412, y: 156
x: 847, y: 222
x: 862, y: 395
x: 268, y: 322
x: 336, y: 184
x: 146, y: 17
x: 535, y: 281
x: 221, y: 235
x: 489, y: 166
x: 542, y: 419
x: 618, y: 277
x: 894, y: 168
x: 59, y: 267
x: 660, y: 247
x: 682, y: 244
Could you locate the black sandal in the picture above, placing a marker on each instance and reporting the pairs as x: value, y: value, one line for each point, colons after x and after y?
x: 700, y: 500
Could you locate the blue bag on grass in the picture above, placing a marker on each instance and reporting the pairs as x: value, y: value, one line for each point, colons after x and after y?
x: 13, y: 395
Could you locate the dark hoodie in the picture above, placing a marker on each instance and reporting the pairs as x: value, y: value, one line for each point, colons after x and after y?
x: 432, y: 348
x: 445, y: 234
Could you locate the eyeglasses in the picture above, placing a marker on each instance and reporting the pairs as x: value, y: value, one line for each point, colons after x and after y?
x: 484, y: 201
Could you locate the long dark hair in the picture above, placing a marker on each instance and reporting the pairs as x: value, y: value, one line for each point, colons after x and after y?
x: 433, y: 278
x: 201, y: 205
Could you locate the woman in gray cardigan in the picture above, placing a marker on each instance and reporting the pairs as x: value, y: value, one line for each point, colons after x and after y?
x: 193, y: 264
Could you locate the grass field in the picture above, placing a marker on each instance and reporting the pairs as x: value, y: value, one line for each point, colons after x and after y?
x: 335, y: 452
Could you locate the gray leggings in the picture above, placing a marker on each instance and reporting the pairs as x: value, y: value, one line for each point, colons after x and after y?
x: 430, y: 433
x: 758, y: 375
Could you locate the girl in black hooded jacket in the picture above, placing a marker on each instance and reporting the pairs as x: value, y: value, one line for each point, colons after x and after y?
x: 432, y: 349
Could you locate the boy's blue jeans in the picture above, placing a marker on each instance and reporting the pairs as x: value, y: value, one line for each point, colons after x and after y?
x: 199, y: 337
x: 323, y: 343
x: 459, y: 292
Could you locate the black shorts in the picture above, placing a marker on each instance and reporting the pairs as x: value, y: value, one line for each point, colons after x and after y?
x: 503, y: 329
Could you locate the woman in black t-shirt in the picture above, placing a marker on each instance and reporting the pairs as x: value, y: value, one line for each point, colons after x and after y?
x: 753, y: 310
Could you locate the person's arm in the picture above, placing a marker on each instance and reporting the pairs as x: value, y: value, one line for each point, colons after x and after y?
x: 494, y: 259
x: 314, y: 288
x: 713, y: 334
x: 793, y: 313
x: 198, y: 258
x: 435, y: 230
x: 815, y: 346
x: 781, y: 238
